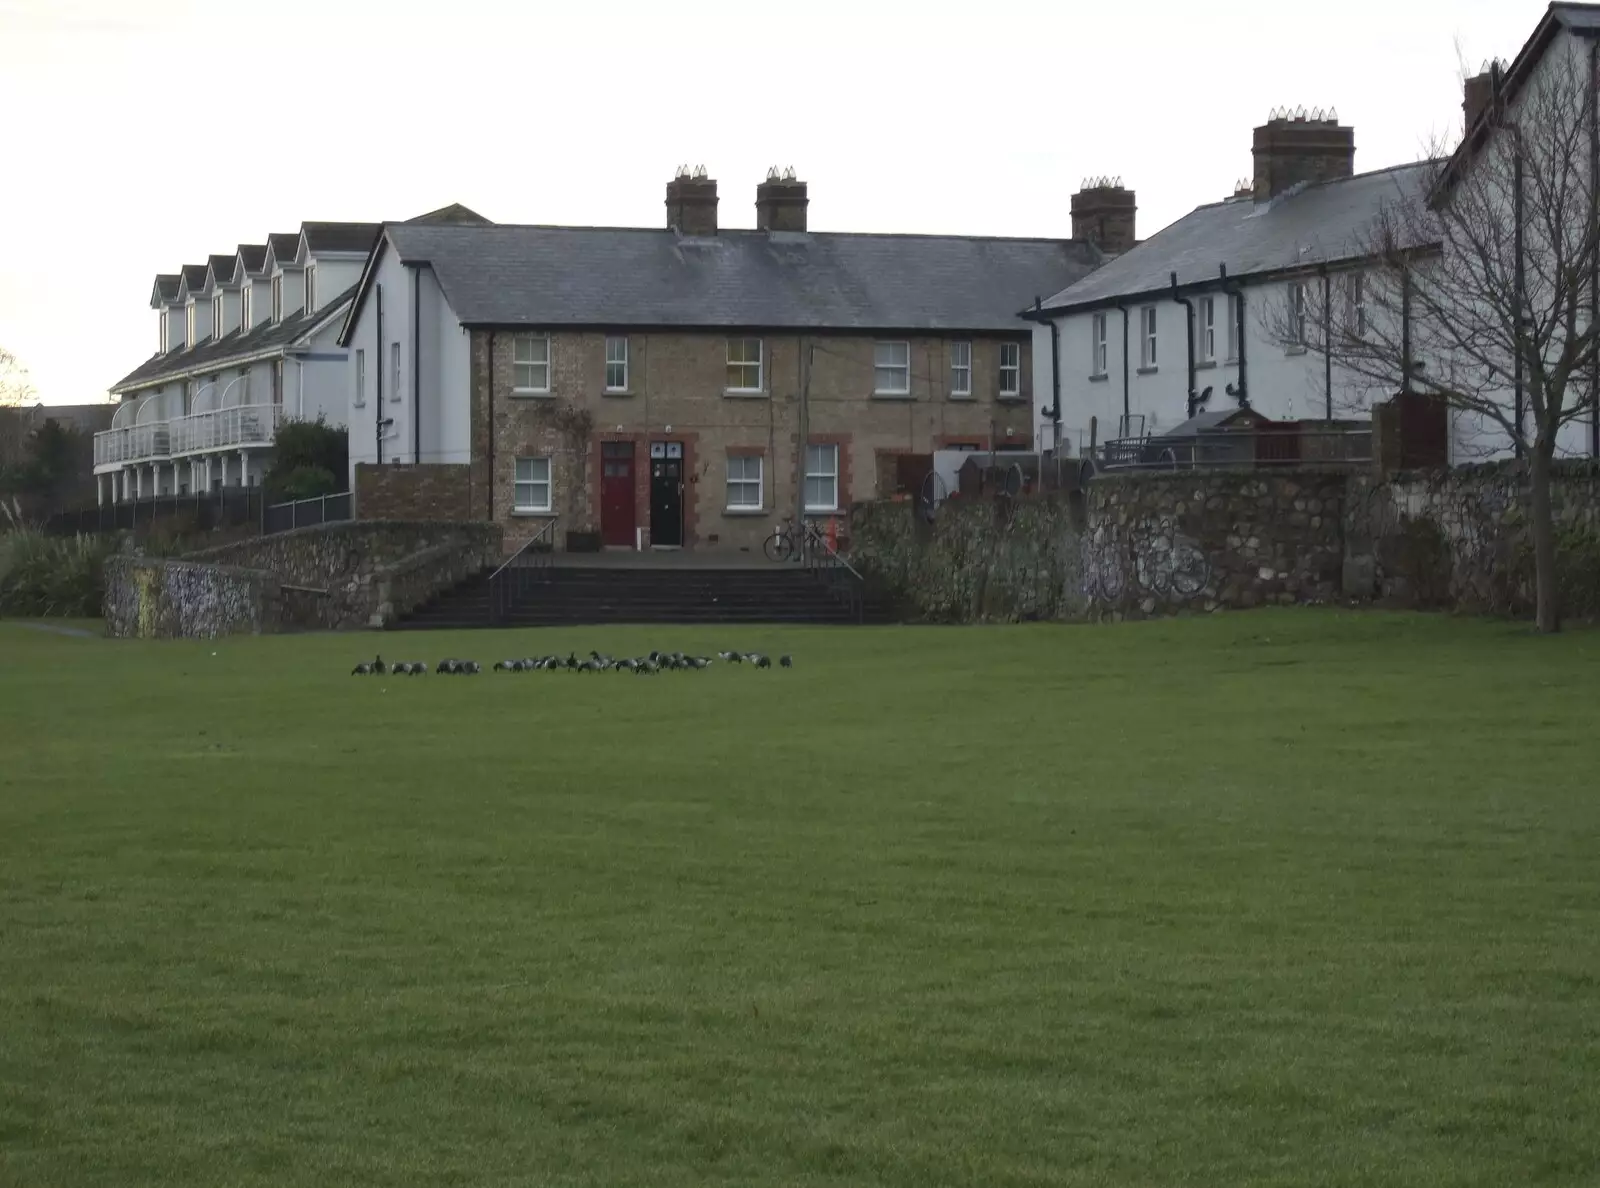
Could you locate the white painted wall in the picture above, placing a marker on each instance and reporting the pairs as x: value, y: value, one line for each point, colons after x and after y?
x: 260, y: 301
x: 316, y: 379
x: 335, y: 274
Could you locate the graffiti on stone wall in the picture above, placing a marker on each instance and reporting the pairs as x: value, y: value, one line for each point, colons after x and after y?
x: 1163, y: 564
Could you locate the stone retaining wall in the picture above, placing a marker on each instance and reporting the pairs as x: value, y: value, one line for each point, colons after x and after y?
x: 157, y: 598
x: 330, y: 577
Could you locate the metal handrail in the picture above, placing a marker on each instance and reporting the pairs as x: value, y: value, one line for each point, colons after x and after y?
x: 830, y: 562
x: 511, y: 573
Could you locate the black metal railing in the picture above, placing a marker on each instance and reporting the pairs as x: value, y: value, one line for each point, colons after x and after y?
x: 1238, y: 449
x: 306, y: 513
x: 528, y: 567
x: 201, y: 511
x: 841, y: 579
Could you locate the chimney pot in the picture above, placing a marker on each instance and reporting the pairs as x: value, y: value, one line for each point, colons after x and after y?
x: 1103, y: 213
x: 692, y: 203
x: 781, y: 202
x: 1292, y: 149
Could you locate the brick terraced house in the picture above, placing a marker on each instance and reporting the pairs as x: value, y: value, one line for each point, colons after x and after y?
x: 688, y: 386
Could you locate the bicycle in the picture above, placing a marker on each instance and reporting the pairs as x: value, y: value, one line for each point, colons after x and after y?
x: 783, y: 546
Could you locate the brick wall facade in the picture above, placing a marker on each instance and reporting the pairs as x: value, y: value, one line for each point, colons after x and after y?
x: 677, y: 391
x: 443, y: 492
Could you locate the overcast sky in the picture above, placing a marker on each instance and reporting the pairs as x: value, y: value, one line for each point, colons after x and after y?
x: 138, y: 136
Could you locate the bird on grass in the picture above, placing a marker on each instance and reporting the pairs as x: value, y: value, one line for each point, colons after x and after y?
x: 508, y: 666
x: 760, y: 661
x: 362, y: 669
x: 378, y: 667
x: 730, y: 657
x: 448, y: 667
x: 468, y: 668
x: 417, y: 668
x: 785, y: 661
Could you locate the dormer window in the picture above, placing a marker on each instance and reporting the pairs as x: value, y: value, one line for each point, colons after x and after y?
x: 244, y: 308
x: 311, y: 287
x: 188, y: 324
x: 277, y: 299
x: 216, y: 316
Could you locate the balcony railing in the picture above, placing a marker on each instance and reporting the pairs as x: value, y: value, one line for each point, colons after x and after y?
x: 225, y: 428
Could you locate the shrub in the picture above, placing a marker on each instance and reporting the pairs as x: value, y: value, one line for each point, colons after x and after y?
x: 309, y: 458
x: 48, y: 575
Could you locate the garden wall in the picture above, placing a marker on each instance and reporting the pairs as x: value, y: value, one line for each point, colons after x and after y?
x: 1163, y: 543
x: 331, y: 577
x: 157, y: 598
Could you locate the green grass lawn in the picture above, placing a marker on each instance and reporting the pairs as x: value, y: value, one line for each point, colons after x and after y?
x: 1287, y: 898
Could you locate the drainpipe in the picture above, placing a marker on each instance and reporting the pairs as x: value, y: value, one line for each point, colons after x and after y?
x: 1594, y: 255
x: 1188, y: 325
x: 488, y: 448
x: 1521, y: 286
x: 1407, y: 366
x: 377, y: 362
x: 1241, y: 390
x: 1126, y: 411
x: 416, y: 364
x: 1054, y: 411
x: 1327, y: 343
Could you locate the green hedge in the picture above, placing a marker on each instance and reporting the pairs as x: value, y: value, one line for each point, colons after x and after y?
x: 60, y: 576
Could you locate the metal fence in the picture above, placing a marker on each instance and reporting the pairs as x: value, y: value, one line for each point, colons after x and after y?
x: 1294, y: 445
x: 201, y: 512
x: 306, y: 513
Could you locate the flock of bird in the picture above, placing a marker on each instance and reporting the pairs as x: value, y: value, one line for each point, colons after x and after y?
x: 639, y: 665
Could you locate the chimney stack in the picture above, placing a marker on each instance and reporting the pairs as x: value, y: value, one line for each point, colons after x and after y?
x: 1478, y: 93
x: 692, y: 202
x: 781, y: 202
x: 1301, y: 147
x: 1103, y: 214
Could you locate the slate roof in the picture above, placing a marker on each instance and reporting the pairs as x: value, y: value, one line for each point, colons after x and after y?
x: 1302, y: 228
x: 222, y: 267
x: 194, y: 275
x: 255, y: 256
x: 454, y: 213
x: 501, y: 275
x: 166, y: 288
x: 233, y: 347
x: 340, y: 237
x: 285, y: 244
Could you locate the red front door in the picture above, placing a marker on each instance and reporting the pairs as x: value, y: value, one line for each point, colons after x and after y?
x: 616, y: 493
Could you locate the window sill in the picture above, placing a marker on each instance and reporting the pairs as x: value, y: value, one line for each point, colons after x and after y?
x: 617, y: 392
x: 741, y: 513
x: 1010, y: 398
x: 823, y: 513
x: 906, y: 395
x: 1099, y: 377
x: 962, y: 396
x: 1231, y: 361
x: 522, y: 513
x: 1146, y: 370
x: 1294, y: 350
x: 532, y: 393
x: 745, y: 393
x: 1208, y: 365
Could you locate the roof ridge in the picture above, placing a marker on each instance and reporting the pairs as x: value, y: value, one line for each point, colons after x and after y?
x: 752, y: 231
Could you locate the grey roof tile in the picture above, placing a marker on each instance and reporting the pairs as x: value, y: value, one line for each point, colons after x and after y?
x: 550, y: 276
x: 166, y: 286
x: 254, y: 255
x: 1319, y: 224
x: 194, y: 275
x: 285, y: 245
x: 231, y: 348
x: 454, y: 213
x: 221, y: 267
x: 340, y: 237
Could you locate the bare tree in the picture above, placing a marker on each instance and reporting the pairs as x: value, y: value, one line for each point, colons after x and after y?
x: 1477, y: 287
x: 15, y: 388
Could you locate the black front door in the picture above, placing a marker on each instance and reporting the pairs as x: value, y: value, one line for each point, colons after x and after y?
x: 666, y: 493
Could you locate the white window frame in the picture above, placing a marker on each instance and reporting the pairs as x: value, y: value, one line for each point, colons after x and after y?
x: 277, y: 382
x: 525, y: 490
x: 1232, y: 310
x: 216, y: 316
x: 744, y: 363
x: 1149, y: 341
x: 395, y: 375
x: 1298, y: 299
x: 189, y: 323
x: 162, y: 327
x: 1099, y: 358
x: 613, y: 341
x: 244, y: 385
x: 823, y: 467
x: 311, y: 286
x: 743, y: 482
x: 532, y: 363
x: 879, y: 367
x: 277, y: 299
x: 244, y: 307
x: 361, y: 377
x: 1206, y: 315
x: 961, y: 369
x: 1014, y: 392
x: 1357, y: 290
